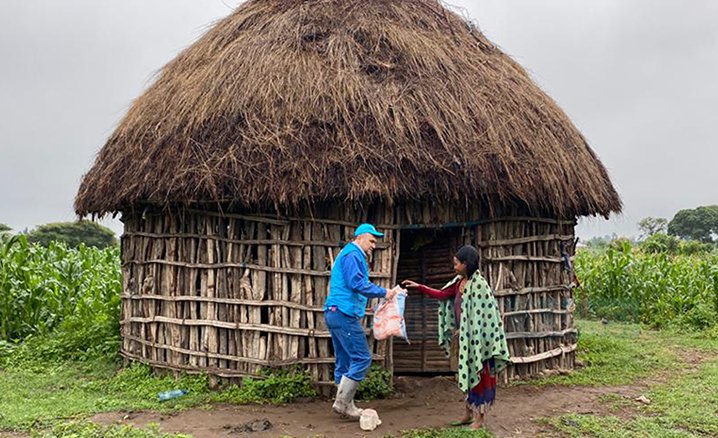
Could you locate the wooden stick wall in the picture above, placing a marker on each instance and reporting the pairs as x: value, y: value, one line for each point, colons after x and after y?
x: 522, y: 259
x: 228, y: 294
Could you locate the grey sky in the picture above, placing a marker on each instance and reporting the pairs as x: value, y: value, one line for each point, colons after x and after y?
x: 637, y: 77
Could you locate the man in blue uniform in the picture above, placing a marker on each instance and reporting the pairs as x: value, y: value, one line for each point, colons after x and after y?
x: 349, y: 291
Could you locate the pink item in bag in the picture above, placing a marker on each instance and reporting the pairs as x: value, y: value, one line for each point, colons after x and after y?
x: 389, y: 318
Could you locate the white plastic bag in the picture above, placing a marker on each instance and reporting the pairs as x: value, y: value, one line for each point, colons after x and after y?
x: 369, y: 419
x: 389, y: 318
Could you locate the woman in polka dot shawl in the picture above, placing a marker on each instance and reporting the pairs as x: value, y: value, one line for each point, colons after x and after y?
x: 478, y: 342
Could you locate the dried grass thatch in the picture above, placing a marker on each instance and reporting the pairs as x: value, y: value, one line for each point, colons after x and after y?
x: 286, y: 101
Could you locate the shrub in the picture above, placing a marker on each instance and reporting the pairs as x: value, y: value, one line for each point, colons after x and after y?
x: 73, y: 234
x: 377, y: 384
x: 275, y: 386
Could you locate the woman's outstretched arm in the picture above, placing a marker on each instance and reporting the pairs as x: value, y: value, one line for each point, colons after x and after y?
x: 442, y: 294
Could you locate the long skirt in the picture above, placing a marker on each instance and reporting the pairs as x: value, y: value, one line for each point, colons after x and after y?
x: 482, y: 396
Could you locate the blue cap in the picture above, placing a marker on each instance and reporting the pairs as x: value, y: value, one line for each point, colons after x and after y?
x: 367, y: 228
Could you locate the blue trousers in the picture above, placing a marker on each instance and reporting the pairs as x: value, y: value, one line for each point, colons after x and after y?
x: 351, y: 350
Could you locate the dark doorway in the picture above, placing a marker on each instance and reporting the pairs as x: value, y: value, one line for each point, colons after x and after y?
x: 426, y: 257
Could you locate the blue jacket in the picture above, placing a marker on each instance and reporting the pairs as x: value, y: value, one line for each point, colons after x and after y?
x: 349, y: 287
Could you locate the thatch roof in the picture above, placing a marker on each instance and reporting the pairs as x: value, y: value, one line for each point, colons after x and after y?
x: 287, y: 101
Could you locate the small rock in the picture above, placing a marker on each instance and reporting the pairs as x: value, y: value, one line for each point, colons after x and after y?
x: 570, y: 422
x: 261, y: 425
x: 251, y: 426
x: 643, y: 399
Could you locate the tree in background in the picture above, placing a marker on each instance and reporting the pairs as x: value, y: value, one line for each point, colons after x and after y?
x: 661, y: 242
x: 73, y: 233
x: 695, y: 224
x: 4, y: 228
x: 652, y: 225
x: 600, y: 242
x: 603, y: 242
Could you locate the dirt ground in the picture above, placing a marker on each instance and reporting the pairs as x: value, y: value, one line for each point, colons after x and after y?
x: 419, y: 403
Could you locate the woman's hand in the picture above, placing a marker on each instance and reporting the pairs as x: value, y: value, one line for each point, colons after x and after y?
x: 410, y: 284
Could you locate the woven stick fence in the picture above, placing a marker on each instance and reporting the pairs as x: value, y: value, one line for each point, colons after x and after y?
x: 229, y: 294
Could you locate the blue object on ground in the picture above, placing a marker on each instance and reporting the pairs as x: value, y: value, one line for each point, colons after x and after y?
x: 169, y: 395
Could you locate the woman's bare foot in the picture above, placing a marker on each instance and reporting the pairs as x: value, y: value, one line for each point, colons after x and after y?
x: 478, y: 422
x: 467, y: 419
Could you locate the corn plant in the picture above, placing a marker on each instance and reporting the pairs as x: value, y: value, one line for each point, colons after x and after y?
x: 67, y: 292
x: 624, y: 283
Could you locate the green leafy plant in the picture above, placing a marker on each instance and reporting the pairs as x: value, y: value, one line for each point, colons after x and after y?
x: 275, y: 386
x: 377, y: 384
x: 64, y: 302
x: 627, y: 283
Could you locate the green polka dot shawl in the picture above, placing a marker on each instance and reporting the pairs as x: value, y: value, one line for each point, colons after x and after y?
x: 481, y: 332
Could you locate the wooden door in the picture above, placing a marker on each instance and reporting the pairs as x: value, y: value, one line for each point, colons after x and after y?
x: 426, y: 257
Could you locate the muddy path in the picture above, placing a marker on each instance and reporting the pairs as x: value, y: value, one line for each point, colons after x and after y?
x: 419, y: 403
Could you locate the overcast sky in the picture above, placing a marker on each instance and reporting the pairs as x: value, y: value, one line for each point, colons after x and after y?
x: 638, y: 77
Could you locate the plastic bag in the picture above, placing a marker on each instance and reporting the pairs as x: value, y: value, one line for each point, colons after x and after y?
x: 389, y: 318
x: 369, y: 419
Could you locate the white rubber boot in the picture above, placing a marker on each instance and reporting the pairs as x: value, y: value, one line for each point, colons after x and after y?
x: 344, y: 402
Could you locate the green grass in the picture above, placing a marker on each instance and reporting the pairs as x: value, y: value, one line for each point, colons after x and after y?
x: 447, y: 433
x: 617, y: 403
x: 690, y: 402
x: 39, y: 397
x: 619, y: 354
x: 45, y: 397
x: 686, y: 405
x: 32, y: 398
x: 84, y: 429
x: 604, y: 427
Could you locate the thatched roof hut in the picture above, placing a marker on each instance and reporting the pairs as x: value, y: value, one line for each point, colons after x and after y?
x: 243, y: 168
